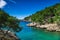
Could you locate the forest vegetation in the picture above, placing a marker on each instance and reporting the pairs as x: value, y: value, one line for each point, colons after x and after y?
x: 48, y: 15
x: 8, y: 23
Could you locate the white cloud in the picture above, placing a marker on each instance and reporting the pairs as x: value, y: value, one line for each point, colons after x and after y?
x: 2, y: 3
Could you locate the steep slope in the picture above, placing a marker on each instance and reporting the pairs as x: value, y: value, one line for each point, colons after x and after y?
x: 8, y: 25
x: 48, y: 15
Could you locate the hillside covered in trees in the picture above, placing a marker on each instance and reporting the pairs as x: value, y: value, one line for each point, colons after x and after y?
x: 48, y: 15
x: 8, y: 25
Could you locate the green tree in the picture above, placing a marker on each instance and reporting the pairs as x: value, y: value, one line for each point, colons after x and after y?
x: 10, y: 22
x: 48, y: 15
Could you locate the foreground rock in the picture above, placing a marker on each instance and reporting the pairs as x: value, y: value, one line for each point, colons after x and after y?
x: 49, y: 27
x: 7, y: 36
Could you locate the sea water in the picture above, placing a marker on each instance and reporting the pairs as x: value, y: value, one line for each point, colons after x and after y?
x: 29, y: 33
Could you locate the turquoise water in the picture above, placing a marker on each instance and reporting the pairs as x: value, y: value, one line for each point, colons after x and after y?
x: 29, y: 33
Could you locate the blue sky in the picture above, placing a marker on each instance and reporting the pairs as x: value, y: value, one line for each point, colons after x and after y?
x: 23, y: 8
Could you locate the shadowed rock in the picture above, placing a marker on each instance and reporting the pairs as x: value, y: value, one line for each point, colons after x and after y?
x: 7, y: 36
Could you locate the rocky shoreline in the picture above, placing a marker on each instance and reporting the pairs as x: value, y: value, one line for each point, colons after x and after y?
x: 7, y: 36
x: 49, y: 27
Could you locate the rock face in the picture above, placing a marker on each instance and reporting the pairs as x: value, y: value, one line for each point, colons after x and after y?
x: 7, y: 36
x: 49, y: 27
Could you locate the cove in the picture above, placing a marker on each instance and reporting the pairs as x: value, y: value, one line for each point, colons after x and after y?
x: 29, y: 33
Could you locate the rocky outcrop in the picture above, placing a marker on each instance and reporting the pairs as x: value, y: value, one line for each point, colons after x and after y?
x: 49, y: 27
x: 32, y: 24
x: 7, y: 36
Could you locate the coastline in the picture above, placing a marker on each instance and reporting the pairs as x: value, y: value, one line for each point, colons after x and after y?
x: 48, y: 27
x: 8, y: 35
